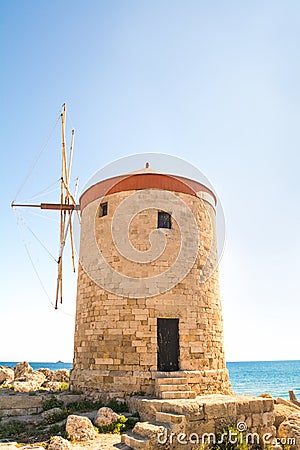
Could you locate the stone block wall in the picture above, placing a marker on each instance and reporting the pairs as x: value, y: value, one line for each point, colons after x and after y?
x: 206, y: 417
x: 17, y: 404
x: 116, y: 336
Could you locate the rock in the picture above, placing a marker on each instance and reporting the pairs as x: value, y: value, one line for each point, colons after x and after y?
x: 28, y: 447
x: 28, y: 383
x: 106, y: 416
x: 290, y: 429
x: 52, y: 385
x: 90, y: 414
x: 23, y: 386
x: 80, y: 428
x: 61, y: 375
x: 282, y: 401
x: 22, y: 369
x: 26, y: 380
x: 54, y: 378
x: 265, y: 396
x: 9, y: 446
x: 7, y: 375
x: 51, y: 412
x: 148, y: 430
x: 59, y: 443
x: 293, y: 398
x: 282, y: 412
x: 47, y: 372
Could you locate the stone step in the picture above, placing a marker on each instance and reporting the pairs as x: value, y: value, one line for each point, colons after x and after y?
x: 150, y: 430
x: 170, y: 418
x: 178, y: 394
x: 165, y: 380
x: 135, y: 441
x: 173, y: 387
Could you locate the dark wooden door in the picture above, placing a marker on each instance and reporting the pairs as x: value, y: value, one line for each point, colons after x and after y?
x: 168, y: 345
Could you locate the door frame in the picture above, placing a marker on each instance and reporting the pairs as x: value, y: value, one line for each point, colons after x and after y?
x: 171, y: 358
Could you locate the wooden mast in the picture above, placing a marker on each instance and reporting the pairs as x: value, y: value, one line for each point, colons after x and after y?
x: 62, y: 213
x: 66, y: 206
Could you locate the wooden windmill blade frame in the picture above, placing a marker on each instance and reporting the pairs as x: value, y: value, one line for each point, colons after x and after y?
x: 66, y: 198
x: 66, y: 206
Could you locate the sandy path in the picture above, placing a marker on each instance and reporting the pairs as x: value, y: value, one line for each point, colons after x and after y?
x: 102, y: 442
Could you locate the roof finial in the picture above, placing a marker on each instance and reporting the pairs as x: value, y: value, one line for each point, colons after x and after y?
x: 147, y: 165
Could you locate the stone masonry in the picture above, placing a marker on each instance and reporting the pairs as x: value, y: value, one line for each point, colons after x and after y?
x: 177, y: 424
x: 116, y: 335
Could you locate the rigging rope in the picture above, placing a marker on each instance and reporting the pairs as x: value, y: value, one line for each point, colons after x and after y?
x: 69, y: 119
x: 43, y: 216
x: 34, y: 267
x: 42, y: 284
x: 34, y: 235
x: 37, y: 158
x: 44, y: 191
x: 36, y: 272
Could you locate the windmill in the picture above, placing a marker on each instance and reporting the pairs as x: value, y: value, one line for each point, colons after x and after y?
x: 66, y: 206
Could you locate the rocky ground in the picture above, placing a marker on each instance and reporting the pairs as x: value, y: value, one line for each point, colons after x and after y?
x: 102, y: 442
x: 287, y: 419
x: 41, y: 413
x: 22, y: 378
x: 36, y: 405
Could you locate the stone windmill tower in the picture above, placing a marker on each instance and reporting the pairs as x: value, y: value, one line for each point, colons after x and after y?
x: 148, y: 308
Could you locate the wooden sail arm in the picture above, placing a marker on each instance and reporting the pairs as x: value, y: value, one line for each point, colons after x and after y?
x: 70, y: 158
x: 52, y: 206
x: 71, y: 226
x: 60, y: 207
x: 59, y: 261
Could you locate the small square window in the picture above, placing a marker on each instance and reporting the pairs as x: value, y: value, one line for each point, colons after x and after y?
x: 103, y: 209
x: 164, y: 220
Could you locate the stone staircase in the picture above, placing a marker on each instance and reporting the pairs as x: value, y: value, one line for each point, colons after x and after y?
x: 145, y: 434
x: 166, y: 420
x: 173, y: 388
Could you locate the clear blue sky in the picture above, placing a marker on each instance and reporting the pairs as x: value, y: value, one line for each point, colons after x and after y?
x: 214, y: 82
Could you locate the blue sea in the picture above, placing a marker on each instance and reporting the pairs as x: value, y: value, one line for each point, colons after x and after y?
x: 258, y: 377
x: 253, y: 377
